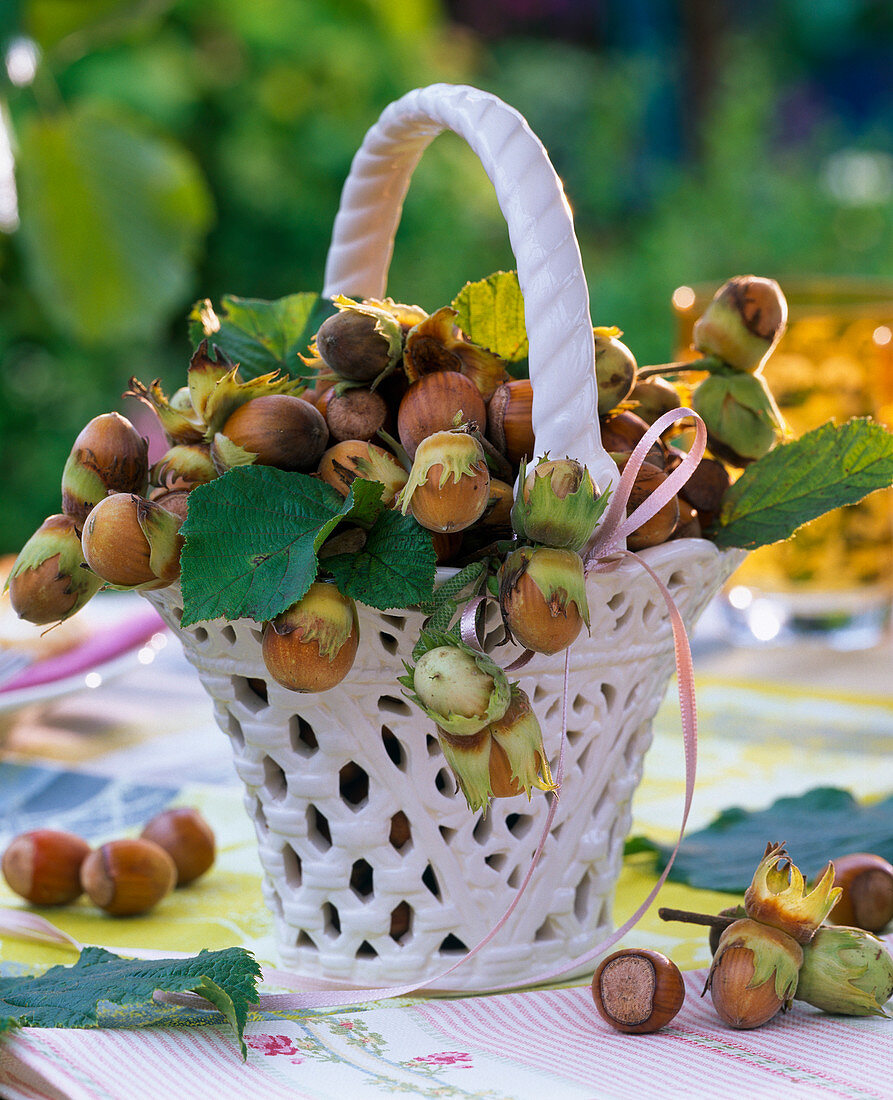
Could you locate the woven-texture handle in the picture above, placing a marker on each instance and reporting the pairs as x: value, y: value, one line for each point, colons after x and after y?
x: 541, y: 232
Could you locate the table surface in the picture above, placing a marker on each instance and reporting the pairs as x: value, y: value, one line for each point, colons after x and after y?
x: 774, y: 720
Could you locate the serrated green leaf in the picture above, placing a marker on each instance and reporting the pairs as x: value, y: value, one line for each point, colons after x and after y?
x: 827, y: 468
x: 491, y: 314
x: 815, y: 827
x: 395, y: 568
x: 71, y: 996
x: 262, y: 336
x: 112, y: 221
x: 252, y: 538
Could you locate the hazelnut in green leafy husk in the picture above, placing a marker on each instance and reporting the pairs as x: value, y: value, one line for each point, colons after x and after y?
x: 132, y: 543
x: 754, y: 973
x: 542, y: 595
x: 449, y: 483
x: 777, y: 895
x: 846, y: 971
x: 362, y: 341
x: 178, y: 419
x: 342, y: 464
x: 615, y: 368
x: 518, y: 739
x: 48, y: 581
x: 108, y: 456
x: 558, y: 504
x: 482, y: 764
x: 741, y: 418
x: 459, y: 688
x: 743, y: 323
x: 312, y: 645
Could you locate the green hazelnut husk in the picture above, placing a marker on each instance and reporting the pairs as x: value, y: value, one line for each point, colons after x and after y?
x: 743, y: 323
x: 460, y: 689
x: 184, y: 466
x: 542, y: 595
x: 778, y: 895
x: 741, y: 418
x: 519, y: 736
x: 108, y: 456
x: 49, y: 580
x: 558, y: 504
x: 846, y: 971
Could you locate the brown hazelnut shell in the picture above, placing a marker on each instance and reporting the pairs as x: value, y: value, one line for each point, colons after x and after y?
x: 433, y: 403
x: 866, y: 880
x: 187, y: 838
x: 43, y: 866
x: 128, y: 877
x: 282, y: 430
x: 637, y: 990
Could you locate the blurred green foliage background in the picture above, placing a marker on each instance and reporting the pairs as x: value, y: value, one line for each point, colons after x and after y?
x: 153, y: 152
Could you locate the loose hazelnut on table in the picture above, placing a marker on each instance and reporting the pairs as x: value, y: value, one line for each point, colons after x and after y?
x: 43, y: 866
x: 186, y: 837
x: 128, y: 877
x: 638, y: 991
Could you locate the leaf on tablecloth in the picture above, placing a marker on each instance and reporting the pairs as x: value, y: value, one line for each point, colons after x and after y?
x: 72, y: 996
x: 825, y: 823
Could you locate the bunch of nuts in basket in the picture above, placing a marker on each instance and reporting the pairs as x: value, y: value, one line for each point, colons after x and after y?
x: 392, y: 395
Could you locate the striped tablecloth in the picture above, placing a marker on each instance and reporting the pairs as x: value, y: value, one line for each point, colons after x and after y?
x: 102, y: 762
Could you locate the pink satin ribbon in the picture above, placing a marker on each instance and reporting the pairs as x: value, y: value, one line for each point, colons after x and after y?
x: 604, y: 553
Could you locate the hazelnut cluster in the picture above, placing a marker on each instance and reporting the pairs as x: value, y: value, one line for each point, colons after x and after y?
x: 124, y: 877
x: 779, y: 946
x: 394, y: 395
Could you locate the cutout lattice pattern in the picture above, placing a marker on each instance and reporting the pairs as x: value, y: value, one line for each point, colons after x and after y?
x: 374, y: 867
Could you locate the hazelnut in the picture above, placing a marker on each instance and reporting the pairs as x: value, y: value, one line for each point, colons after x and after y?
x: 352, y: 344
x: 355, y: 414
x: 43, y: 866
x: 637, y: 990
x: 436, y: 403
x: 128, y: 877
x: 510, y: 420
x: 186, y: 837
x: 867, y: 899
x: 311, y: 645
x: 660, y: 526
x: 281, y: 430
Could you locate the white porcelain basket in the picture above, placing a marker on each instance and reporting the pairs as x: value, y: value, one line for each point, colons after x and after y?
x: 374, y: 868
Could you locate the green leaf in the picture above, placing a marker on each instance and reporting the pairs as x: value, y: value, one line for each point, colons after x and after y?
x: 262, y: 336
x: 395, y: 568
x: 252, y: 538
x: 829, y: 467
x: 815, y: 827
x: 113, y: 218
x: 491, y: 314
x: 71, y: 996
